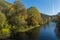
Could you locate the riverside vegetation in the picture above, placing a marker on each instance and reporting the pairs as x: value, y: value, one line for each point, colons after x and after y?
x: 14, y: 17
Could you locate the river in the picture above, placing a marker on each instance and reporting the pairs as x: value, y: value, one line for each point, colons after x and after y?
x: 47, y: 32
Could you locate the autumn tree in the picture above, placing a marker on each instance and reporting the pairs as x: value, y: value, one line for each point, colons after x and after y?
x: 19, y: 17
x: 2, y: 19
x: 34, y: 16
x: 20, y: 9
x: 4, y: 27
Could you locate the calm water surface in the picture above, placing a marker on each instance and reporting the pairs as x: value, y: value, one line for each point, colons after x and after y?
x: 48, y: 32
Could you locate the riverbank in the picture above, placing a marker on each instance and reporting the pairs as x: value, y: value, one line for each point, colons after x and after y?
x: 27, y: 29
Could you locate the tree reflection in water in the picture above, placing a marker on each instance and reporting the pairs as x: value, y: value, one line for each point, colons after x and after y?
x: 57, y: 31
x: 34, y: 34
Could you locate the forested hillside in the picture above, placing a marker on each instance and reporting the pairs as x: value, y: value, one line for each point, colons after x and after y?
x: 14, y: 17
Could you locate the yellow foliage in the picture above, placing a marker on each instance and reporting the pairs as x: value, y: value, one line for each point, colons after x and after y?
x: 5, y: 32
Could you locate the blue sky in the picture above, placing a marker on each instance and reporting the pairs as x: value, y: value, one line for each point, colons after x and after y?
x: 49, y: 7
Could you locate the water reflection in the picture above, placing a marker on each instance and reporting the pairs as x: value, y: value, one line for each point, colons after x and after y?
x: 45, y: 32
x: 48, y: 33
x: 34, y: 34
x: 57, y: 30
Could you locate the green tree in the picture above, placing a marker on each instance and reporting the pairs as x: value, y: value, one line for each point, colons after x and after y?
x: 5, y: 31
x: 17, y: 20
x: 20, y: 15
x: 20, y: 9
x: 34, y: 16
x: 4, y: 27
x: 2, y: 19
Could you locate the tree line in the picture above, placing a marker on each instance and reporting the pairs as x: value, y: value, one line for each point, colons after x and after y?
x: 16, y: 16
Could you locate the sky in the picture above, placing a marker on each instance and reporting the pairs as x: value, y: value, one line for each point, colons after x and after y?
x: 49, y: 7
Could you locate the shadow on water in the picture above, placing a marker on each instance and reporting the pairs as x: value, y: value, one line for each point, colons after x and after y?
x: 34, y: 34
x: 45, y: 32
x: 57, y: 30
x: 30, y: 35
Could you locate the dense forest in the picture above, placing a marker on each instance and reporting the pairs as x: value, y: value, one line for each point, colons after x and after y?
x: 14, y: 17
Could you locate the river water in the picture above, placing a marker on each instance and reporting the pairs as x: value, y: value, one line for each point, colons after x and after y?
x: 48, y: 32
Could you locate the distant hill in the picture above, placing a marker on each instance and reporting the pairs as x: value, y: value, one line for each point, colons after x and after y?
x: 55, y: 18
x: 58, y: 14
x: 44, y: 15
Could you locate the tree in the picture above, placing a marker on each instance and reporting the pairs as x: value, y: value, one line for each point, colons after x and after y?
x: 5, y: 31
x: 20, y: 15
x: 4, y: 27
x: 34, y: 15
x: 20, y: 9
x: 2, y: 19
x: 17, y: 20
